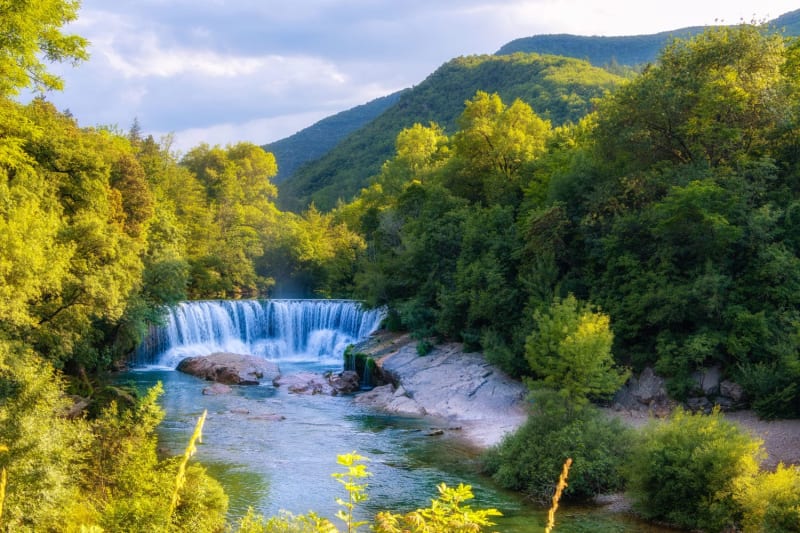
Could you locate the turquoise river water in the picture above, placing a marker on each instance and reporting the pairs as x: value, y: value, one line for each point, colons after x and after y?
x: 273, y: 450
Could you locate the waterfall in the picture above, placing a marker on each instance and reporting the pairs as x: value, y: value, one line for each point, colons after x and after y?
x: 316, y: 331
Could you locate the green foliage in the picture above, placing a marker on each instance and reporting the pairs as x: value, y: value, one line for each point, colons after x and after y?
x: 316, y: 140
x: 356, y: 491
x: 709, y: 99
x: 312, y: 255
x: 446, y: 514
x: 45, y: 451
x: 600, y: 51
x: 494, y: 142
x: 773, y: 388
x: 685, y: 471
x: 770, y: 501
x: 66, y: 472
x: 284, y: 523
x: 570, y: 351
x: 240, y: 200
x: 530, y: 460
x: 31, y: 35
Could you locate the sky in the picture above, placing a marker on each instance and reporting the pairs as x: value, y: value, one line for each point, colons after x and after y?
x: 225, y: 71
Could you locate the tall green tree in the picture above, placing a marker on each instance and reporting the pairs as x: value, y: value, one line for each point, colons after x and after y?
x: 494, y: 141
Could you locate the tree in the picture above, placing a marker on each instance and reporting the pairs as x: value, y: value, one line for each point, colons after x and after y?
x: 239, y: 197
x: 32, y: 33
x: 494, y: 142
x: 711, y: 99
x: 570, y: 351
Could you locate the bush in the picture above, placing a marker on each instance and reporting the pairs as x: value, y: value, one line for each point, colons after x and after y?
x: 569, y: 349
x: 771, y: 501
x: 772, y: 388
x: 530, y: 460
x: 684, y: 471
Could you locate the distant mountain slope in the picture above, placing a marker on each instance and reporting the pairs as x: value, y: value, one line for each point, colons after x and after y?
x: 316, y: 140
x: 789, y: 22
x: 599, y: 50
x: 624, y: 50
x: 314, y: 167
x: 558, y: 88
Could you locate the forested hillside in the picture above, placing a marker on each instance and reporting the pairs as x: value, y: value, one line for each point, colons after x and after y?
x: 314, y: 141
x: 559, y: 89
x: 630, y: 50
x: 324, y: 166
x: 672, y: 206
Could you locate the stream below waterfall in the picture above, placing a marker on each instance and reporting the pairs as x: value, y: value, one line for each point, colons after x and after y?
x: 273, y: 450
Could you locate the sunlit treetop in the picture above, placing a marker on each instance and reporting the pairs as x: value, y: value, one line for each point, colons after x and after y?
x: 31, y: 36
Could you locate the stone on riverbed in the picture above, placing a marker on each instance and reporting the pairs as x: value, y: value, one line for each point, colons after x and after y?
x: 310, y: 383
x: 230, y: 368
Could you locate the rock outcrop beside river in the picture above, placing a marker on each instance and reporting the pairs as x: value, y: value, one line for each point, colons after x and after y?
x: 461, y: 389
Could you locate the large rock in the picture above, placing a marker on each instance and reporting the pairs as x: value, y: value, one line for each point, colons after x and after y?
x: 345, y: 382
x: 230, y: 368
x: 707, y: 381
x: 648, y: 392
x: 447, y: 383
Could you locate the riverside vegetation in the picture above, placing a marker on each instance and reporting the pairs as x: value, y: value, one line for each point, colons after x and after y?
x: 657, y: 226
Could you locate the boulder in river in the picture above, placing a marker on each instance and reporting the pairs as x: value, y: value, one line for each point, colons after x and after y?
x: 329, y: 384
x: 230, y: 368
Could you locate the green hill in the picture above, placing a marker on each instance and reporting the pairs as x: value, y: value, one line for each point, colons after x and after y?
x: 599, y: 50
x: 333, y: 160
x: 628, y: 50
x: 314, y: 141
x: 788, y: 22
x: 558, y: 88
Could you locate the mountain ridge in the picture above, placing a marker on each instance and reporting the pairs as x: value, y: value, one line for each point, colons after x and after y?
x: 305, y: 162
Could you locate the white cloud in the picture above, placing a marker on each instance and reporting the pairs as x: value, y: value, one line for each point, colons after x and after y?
x: 257, y: 131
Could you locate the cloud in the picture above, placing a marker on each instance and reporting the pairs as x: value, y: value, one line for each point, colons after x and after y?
x: 257, y: 69
x: 249, y: 131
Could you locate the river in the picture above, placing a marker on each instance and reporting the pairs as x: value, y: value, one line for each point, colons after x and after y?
x: 273, y: 450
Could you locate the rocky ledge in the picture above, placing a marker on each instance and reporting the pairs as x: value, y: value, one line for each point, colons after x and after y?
x: 230, y: 368
x: 459, y: 388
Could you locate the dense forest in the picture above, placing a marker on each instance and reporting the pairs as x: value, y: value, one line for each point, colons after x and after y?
x: 670, y: 207
x: 592, y: 222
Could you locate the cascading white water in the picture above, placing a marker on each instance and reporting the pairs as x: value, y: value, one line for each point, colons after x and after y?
x: 315, y: 331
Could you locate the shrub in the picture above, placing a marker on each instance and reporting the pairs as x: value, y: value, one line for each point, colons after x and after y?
x: 569, y: 349
x: 772, y: 388
x: 684, y: 470
x: 530, y: 460
x: 771, y: 501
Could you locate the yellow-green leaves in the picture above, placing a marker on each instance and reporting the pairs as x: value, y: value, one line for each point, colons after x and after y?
x: 570, y: 351
x: 356, y: 492
x: 447, y: 514
x: 32, y: 33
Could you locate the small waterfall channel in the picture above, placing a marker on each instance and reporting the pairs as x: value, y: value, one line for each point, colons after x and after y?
x: 299, y: 331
